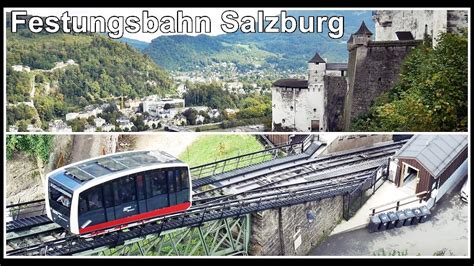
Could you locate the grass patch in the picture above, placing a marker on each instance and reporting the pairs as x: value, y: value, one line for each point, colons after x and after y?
x: 211, y: 148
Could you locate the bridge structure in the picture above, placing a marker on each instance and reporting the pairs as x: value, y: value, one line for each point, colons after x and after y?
x: 225, y: 195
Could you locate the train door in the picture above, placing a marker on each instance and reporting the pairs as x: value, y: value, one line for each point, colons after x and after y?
x: 125, y: 197
x: 109, y: 201
x: 172, y: 189
x: 91, y: 209
x: 156, y: 190
x: 142, y: 208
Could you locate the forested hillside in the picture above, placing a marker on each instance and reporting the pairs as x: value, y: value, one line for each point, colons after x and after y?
x: 282, y: 51
x: 101, y: 70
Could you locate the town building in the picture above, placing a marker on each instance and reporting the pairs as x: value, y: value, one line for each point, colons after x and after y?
x: 13, y: 128
x: 107, y: 127
x: 71, y: 116
x: 59, y: 126
x: 154, y: 105
x: 21, y: 68
x: 90, y: 128
x: 99, y: 121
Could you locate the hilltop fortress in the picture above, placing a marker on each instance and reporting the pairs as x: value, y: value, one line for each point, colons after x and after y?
x: 336, y: 93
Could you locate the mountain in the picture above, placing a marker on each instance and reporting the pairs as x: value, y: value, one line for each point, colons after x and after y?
x: 183, y: 52
x: 140, y: 45
x: 282, y: 50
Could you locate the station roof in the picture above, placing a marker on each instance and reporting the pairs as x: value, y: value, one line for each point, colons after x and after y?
x: 115, y: 163
x: 434, y: 152
x: 291, y: 83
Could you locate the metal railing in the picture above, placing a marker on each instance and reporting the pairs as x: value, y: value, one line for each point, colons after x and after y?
x: 400, y: 202
x: 229, y: 164
x: 354, y: 200
x: 25, y: 209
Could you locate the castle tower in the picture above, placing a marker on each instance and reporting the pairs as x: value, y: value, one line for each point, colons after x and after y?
x: 361, y: 37
x: 358, y: 46
x: 316, y: 99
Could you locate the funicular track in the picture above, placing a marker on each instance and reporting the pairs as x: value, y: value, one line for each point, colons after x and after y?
x: 306, y: 179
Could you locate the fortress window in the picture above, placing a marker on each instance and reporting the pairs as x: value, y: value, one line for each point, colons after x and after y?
x: 314, y: 110
x: 283, y: 120
x: 291, y: 108
x: 380, y: 79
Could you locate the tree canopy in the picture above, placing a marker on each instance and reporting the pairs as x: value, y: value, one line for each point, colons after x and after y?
x: 431, y: 94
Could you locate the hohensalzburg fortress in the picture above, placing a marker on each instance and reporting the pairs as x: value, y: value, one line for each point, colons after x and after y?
x: 336, y: 93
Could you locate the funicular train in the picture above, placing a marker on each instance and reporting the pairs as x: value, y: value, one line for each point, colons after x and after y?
x: 116, y: 191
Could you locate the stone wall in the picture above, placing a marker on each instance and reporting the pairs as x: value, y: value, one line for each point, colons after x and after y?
x: 274, y: 232
x: 335, y: 93
x: 347, y: 142
x: 373, y: 69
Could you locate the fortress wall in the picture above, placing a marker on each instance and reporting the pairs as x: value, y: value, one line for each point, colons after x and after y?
x: 274, y: 232
x: 457, y: 20
x: 335, y: 93
x: 374, y: 72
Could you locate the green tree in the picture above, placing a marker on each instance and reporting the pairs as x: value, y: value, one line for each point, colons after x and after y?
x: 431, y: 94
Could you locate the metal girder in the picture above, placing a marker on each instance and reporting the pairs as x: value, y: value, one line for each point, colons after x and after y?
x: 222, y: 237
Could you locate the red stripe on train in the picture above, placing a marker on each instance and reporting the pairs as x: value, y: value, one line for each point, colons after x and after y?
x: 137, y: 217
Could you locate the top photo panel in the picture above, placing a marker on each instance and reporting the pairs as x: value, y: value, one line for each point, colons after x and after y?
x: 236, y: 70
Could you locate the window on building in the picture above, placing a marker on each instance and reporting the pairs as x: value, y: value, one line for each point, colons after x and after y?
x: 291, y: 108
x: 314, y: 110
x: 283, y: 120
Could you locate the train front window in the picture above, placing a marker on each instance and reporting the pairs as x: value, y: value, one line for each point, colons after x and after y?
x: 56, y: 194
x: 60, y: 200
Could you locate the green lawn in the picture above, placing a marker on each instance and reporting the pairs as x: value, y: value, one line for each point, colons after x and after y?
x: 209, y: 148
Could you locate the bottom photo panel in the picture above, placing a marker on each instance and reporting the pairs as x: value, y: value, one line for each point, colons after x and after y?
x: 195, y: 194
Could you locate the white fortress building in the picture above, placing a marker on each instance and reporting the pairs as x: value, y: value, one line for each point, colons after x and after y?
x: 298, y: 104
x: 390, y: 25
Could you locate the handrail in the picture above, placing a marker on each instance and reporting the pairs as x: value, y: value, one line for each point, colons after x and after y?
x: 372, y: 210
x: 24, y: 203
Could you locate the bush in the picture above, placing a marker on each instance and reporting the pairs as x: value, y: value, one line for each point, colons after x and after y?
x: 36, y: 145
